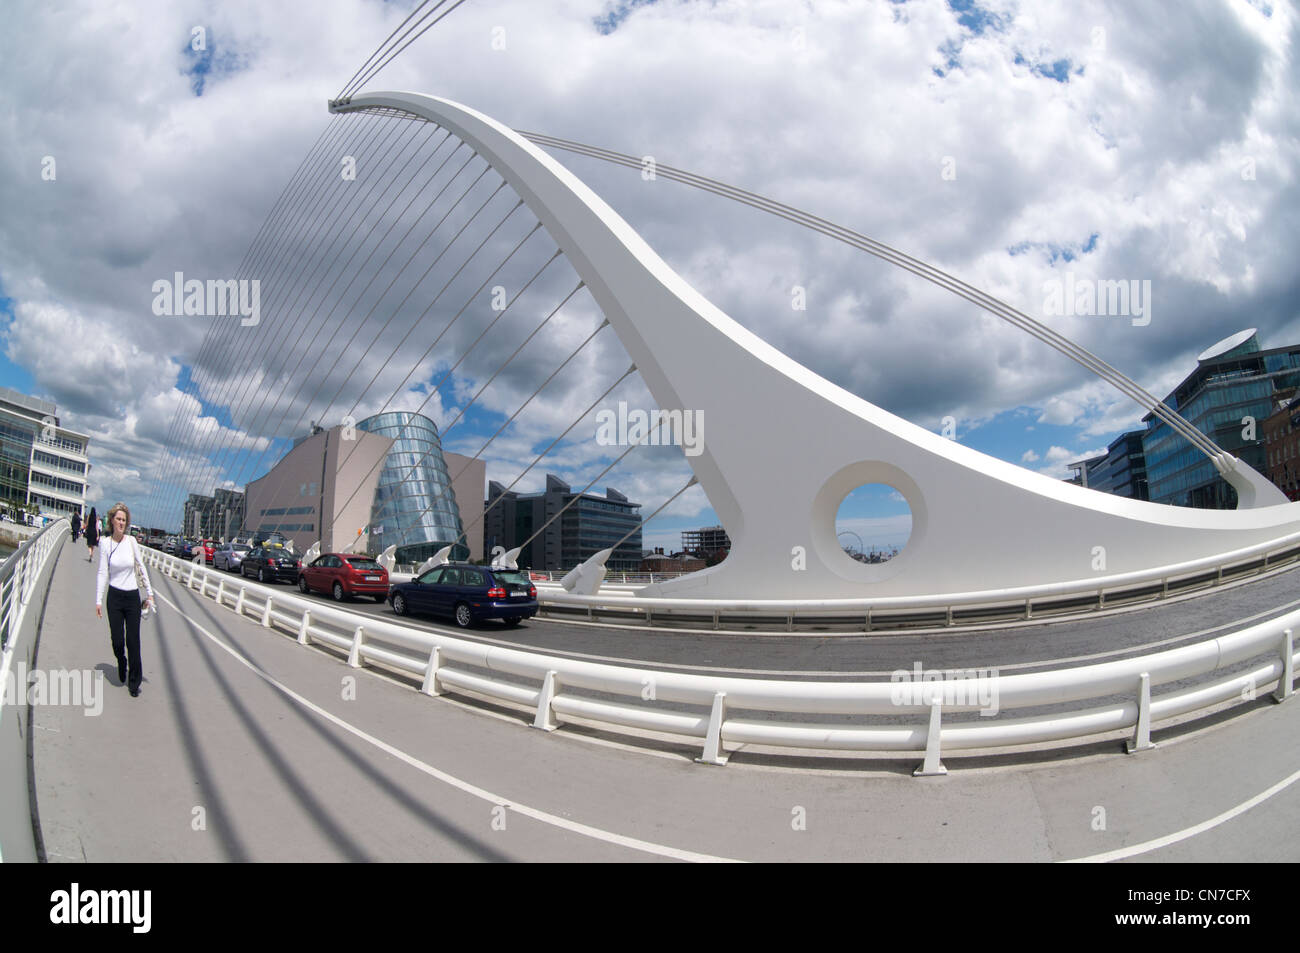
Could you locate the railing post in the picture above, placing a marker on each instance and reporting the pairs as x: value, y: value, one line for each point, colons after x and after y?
x: 221, y: 593
x: 303, y: 625
x: 713, y: 750
x: 545, y: 718
x: 1141, y: 740
x: 431, y: 685
x: 1284, y: 683
x: 354, y: 656
x: 266, y: 613
x: 932, y: 766
x: 239, y: 600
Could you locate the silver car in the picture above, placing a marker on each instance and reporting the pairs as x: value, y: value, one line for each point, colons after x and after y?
x: 228, y: 556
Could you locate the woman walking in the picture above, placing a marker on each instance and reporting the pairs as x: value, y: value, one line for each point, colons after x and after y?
x: 92, y: 533
x: 122, y: 570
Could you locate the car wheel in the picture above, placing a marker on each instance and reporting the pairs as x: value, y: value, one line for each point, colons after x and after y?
x: 338, y: 592
x: 399, y: 604
x: 302, y: 585
x: 261, y: 574
x: 463, y: 616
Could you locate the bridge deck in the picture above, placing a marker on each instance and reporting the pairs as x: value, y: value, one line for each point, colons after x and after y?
x: 245, y: 746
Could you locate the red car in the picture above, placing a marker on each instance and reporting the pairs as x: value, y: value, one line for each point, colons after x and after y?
x: 345, y: 574
x: 208, y: 547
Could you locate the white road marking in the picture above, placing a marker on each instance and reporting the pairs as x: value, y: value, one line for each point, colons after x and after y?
x: 1186, y: 832
x: 536, y: 814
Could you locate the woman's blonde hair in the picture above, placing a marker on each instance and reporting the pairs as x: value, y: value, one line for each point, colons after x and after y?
x: 112, y: 511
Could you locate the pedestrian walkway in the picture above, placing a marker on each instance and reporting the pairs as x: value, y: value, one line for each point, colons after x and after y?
x: 245, y: 746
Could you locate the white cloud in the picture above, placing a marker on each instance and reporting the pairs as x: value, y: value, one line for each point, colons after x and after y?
x: 1144, y: 147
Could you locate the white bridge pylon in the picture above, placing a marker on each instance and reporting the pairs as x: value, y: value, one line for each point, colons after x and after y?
x: 782, y: 446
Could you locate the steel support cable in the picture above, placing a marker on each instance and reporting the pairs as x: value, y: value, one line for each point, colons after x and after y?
x: 379, y: 49
x: 240, y: 386
x: 662, y: 506
x: 291, y: 188
x: 435, y: 387
x: 416, y: 285
x: 276, y: 251
x: 429, y: 307
x: 921, y: 269
x: 464, y: 535
x: 291, y: 198
x: 378, y: 334
x: 482, y: 334
x: 428, y: 350
x: 329, y: 336
x: 915, y: 266
x: 520, y: 409
x: 374, y: 70
x: 579, y: 495
x: 292, y: 222
x: 301, y: 283
x: 468, y: 301
x: 415, y: 324
x: 1000, y: 309
x: 513, y: 354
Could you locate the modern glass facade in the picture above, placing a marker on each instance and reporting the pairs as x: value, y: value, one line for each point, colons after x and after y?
x: 1122, y: 471
x: 414, y: 508
x: 1216, y: 398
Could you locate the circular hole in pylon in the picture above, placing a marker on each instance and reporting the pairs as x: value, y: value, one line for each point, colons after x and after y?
x: 873, y: 523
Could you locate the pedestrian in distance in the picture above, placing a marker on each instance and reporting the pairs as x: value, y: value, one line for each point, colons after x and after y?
x: 92, y: 533
x: 76, y: 526
x: 122, y: 571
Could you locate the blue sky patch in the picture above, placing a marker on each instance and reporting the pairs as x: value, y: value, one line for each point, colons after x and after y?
x: 616, y: 14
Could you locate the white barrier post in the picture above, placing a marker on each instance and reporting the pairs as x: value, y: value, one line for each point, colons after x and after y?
x: 1141, y: 740
x: 713, y: 750
x: 431, y: 685
x: 1284, y: 683
x: 545, y: 718
x: 932, y: 766
x: 354, y: 657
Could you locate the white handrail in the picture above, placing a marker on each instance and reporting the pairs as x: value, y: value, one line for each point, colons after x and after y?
x: 434, y: 655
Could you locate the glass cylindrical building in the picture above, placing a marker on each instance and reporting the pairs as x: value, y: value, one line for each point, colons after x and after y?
x: 414, y: 507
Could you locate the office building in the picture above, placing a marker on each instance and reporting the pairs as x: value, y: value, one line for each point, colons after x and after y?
x: 706, y: 541
x: 588, y: 524
x: 1120, y: 470
x: 41, y: 461
x: 1233, y: 389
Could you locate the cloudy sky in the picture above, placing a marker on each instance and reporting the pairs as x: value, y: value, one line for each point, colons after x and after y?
x: 1020, y: 146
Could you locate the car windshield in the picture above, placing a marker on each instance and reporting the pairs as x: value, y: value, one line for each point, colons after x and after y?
x: 364, y: 563
x: 239, y: 548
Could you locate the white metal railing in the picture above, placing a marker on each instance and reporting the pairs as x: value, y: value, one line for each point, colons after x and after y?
x: 616, y: 601
x: 24, y: 581
x: 554, y: 686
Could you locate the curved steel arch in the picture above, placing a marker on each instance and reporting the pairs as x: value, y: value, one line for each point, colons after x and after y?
x: 783, y: 446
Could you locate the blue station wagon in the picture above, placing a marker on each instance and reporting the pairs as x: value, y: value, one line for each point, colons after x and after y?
x: 468, y: 594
